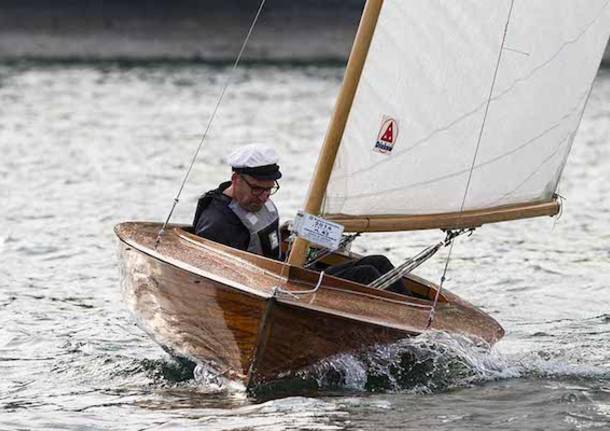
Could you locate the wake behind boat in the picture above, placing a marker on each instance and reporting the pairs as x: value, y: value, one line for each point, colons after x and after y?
x: 451, y: 115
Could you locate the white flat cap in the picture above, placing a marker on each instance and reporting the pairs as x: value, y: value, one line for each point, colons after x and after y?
x: 257, y: 160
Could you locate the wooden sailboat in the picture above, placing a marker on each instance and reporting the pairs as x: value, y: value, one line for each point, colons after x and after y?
x: 451, y: 115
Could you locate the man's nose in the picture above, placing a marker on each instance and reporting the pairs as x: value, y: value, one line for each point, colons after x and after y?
x: 265, y: 194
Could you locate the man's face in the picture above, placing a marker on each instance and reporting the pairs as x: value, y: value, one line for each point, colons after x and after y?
x: 251, y: 193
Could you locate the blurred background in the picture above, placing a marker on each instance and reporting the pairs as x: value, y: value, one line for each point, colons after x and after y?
x: 207, y: 30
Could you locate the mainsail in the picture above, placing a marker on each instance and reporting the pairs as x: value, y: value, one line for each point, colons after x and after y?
x: 465, y: 108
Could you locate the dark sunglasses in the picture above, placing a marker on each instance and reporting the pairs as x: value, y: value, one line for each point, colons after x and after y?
x: 257, y: 190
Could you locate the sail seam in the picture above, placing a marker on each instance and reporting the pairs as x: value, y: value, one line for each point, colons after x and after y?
x: 473, y: 111
x: 474, y: 160
x: 534, y: 171
x: 514, y: 150
x: 491, y: 90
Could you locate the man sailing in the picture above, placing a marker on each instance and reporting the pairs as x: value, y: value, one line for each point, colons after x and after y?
x: 240, y: 214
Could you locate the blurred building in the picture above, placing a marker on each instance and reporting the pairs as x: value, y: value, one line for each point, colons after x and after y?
x: 209, y: 30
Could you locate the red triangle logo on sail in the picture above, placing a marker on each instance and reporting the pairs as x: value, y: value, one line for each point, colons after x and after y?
x: 386, y: 138
x: 388, y: 135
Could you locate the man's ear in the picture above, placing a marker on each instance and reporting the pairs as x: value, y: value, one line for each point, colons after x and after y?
x: 234, y: 177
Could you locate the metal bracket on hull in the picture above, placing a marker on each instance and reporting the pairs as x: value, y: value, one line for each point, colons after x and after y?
x: 295, y: 293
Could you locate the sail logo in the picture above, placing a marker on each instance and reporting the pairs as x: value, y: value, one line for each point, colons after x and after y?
x: 387, y: 135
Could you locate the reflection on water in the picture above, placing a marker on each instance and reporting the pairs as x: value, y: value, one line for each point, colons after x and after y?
x: 85, y: 146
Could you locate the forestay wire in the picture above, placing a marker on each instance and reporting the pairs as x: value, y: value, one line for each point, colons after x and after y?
x: 211, y: 120
x: 474, y: 159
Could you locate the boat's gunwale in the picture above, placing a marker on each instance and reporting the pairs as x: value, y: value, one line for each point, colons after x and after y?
x: 372, y: 293
x: 246, y: 258
x: 190, y: 268
x: 286, y: 299
x: 296, y: 276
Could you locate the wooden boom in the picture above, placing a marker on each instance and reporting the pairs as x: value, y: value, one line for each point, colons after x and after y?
x: 456, y: 220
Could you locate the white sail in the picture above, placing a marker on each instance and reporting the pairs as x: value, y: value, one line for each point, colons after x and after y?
x: 482, y: 98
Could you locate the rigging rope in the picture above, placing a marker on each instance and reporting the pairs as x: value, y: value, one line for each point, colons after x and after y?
x: 474, y: 159
x: 410, y: 264
x: 207, y: 129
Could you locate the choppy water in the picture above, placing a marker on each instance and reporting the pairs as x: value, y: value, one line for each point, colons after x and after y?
x: 85, y: 146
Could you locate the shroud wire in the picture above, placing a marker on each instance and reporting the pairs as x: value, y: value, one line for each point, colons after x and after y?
x: 211, y: 120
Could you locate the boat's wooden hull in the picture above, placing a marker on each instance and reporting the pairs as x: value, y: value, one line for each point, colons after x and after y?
x: 232, y: 310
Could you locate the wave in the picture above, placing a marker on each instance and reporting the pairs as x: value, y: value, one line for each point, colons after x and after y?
x: 431, y: 363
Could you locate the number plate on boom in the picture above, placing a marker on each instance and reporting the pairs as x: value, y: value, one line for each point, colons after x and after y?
x: 318, y: 231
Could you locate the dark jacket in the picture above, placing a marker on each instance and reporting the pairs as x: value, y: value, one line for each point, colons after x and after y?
x: 216, y: 219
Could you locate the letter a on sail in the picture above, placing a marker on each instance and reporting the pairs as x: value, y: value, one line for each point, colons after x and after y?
x: 387, y: 135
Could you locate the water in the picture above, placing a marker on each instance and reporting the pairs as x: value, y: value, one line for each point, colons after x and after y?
x: 85, y: 146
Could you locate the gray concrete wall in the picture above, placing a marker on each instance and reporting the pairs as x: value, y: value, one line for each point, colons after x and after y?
x: 208, y: 30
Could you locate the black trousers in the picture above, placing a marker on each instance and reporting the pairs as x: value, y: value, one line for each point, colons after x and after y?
x: 366, y: 270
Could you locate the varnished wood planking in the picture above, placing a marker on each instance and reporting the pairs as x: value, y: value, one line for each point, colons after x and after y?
x: 299, y: 337
x: 220, y: 305
x: 196, y: 317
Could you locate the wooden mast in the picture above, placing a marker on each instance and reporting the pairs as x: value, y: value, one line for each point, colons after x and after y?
x: 328, y: 153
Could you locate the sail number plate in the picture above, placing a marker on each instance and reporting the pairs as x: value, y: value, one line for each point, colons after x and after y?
x: 318, y: 231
